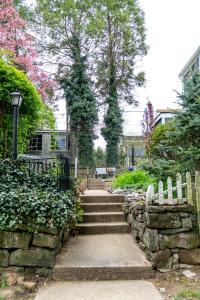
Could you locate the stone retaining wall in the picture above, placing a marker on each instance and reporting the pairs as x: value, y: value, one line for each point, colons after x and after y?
x: 23, y: 250
x: 167, y: 234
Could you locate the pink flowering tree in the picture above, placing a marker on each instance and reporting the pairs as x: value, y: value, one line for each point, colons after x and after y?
x: 17, y: 45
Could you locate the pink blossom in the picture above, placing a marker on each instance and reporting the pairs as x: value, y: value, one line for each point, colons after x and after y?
x: 14, y: 37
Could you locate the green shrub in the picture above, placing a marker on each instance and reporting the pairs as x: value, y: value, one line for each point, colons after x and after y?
x: 34, y: 200
x: 33, y: 111
x: 159, y: 168
x: 138, y: 179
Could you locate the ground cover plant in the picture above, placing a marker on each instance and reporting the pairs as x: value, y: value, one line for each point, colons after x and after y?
x: 34, y: 200
x: 187, y: 294
x: 138, y: 179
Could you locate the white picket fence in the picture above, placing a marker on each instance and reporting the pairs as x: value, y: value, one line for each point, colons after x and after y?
x: 181, y: 193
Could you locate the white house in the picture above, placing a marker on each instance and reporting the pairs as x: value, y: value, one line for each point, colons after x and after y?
x: 193, y: 65
x: 164, y: 115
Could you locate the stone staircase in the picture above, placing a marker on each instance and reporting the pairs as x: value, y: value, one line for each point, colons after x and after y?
x: 96, y: 184
x: 105, y: 249
x: 103, y: 214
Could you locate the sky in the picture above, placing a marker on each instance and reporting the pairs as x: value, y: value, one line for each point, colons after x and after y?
x: 173, y: 36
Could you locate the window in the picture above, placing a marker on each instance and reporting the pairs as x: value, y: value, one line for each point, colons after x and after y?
x: 58, y: 142
x: 36, y: 143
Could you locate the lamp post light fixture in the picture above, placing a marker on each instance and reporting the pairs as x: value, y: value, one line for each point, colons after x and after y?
x: 16, y: 102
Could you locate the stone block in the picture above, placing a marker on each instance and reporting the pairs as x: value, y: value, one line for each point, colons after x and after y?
x: 167, y: 220
x: 187, y: 222
x: 66, y: 235
x: 190, y: 257
x: 159, y: 258
x: 150, y: 239
x: 34, y: 257
x: 61, y: 235
x: 4, y: 255
x: 130, y: 218
x: 10, y: 240
x: 136, y: 235
x: 10, y: 269
x: 170, y: 208
x: 45, y: 240
x: 187, y: 240
x: 140, y: 227
x: 174, y: 230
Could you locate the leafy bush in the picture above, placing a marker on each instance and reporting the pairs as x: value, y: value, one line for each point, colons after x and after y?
x: 138, y: 179
x: 33, y: 200
x: 33, y: 111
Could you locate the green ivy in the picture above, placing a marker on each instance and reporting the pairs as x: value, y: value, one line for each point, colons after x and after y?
x: 34, y: 200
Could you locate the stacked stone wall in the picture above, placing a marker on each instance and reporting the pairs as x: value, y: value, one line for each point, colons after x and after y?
x: 167, y: 234
x: 27, y: 251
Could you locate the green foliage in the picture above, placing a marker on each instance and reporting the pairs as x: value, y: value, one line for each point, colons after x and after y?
x: 112, y: 131
x: 32, y: 111
x: 159, y: 168
x: 176, y: 146
x: 138, y: 179
x: 82, y: 106
x: 187, y: 294
x: 122, y: 36
x: 99, y: 157
x: 3, y: 284
x: 33, y: 200
x: 111, y: 35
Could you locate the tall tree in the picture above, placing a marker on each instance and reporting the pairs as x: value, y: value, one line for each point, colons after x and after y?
x: 122, y: 43
x: 82, y: 106
x: 17, y: 45
x: 69, y: 36
x: 183, y: 142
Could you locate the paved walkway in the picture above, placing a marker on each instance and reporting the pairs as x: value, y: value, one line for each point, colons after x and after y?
x: 92, y: 258
x: 99, y: 290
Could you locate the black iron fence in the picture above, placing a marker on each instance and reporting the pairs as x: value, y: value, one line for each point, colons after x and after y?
x: 60, y: 165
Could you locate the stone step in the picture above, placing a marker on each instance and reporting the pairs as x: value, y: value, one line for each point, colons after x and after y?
x: 104, y: 217
x: 101, y: 188
x: 102, y: 199
x: 102, y: 273
x: 102, y: 257
x: 104, y: 228
x: 102, y: 207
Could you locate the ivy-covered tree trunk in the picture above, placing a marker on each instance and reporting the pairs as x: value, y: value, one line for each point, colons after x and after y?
x: 82, y: 105
x: 122, y: 40
x: 113, y: 120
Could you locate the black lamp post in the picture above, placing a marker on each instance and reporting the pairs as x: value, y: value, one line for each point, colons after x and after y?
x: 16, y: 102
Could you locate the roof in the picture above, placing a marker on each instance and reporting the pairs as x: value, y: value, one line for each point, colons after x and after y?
x: 167, y: 110
x: 190, y: 62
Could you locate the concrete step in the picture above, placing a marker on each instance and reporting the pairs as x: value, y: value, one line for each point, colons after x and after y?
x: 104, y: 217
x: 102, y: 273
x: 102, y: 257
x: 102, y: 207
x: 102, y: 199
x: 102, y: 228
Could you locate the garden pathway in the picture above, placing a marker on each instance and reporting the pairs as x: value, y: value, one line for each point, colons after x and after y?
x: 103, y: 262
